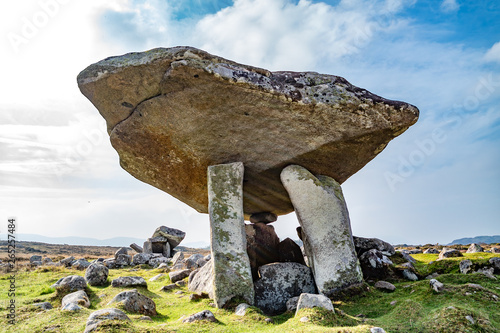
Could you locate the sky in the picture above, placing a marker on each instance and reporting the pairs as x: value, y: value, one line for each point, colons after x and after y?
x: 439, y: 181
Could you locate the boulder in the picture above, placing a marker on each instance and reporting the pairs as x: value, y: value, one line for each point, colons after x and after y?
x: 157, y: 277
x: 409, y: 275
x: 67, y: 261
x: 436, y: 285
x: 169, y: 287
x: 231, y: 266
x: 135, y: 302
x: 98, y: 316
x: 495, y: 250
x: 473, y: 248
x: 173, y: 112
x: 79, y: 297
x: 35, y: 258
x: 431, y: 250
x: 129, y: 281
x: 495, y: 262
x: 373, y: 265
x: 179, y: 275
x: 264, y: 217
x: 141, y: 258
x: 241, y: 309
x: 415, y: 251
x: 262, y: 246
x: 291, y: 304
x: 279, y: 282
x: 177, y: 258
x: 202, y: 280
x: 447, y: 252
x: 97, y: 274
x: 80, y: 264
x: 406, y: 255
x: 71, y: 307
x: 43, y: 305
x: 122, y: 250
x: 465, y: 266
x: 205, y: 315
x: 123, y: 260
x: 385, y: 286
x: 109, y: 263
x: 136, y: 248
x: 174, y: 236
x: 195, y: 261
x: 488, y: 272
x: 289, y: 251
x: 147, y: 247
x: 326, y: 228
x: 155, y: 262
x: 310, y: 301
x: 363, y: 245
x: 69, y: 284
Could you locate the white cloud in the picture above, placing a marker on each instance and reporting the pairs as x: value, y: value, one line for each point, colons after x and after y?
x: 493, y: 54
x: 450, y: 6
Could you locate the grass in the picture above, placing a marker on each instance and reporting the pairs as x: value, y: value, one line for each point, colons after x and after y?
x: 415, y: 308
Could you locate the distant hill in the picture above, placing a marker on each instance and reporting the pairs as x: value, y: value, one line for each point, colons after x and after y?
x: 477, y: 239
x: 86, y: 241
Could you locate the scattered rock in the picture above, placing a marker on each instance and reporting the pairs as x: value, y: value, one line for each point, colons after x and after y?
x: 146, y: 318
x: 78, y: 297
x: 314, y: 300
x: 469, y: 318
x: 98, y: 316
x: 377, y: 330
x: 291, y: 304
x: 363, y: 245
x: 409, y: 275
x: 196, y: 297
x: 181, y: 283
x: 241, y: 309
x: 135, y: 302
x: 279, y: 282
x: 496, y: 264
x: 495, y: 250
x: 431, y: 250
x: 177, y: 258
x: 71, y: 307
x: 69, y: 284
x: 156, y: 262
x: 201, y: 282
x: 384, y: 285
x: 488, y: 272
x: 406, y: 255
x: 268, y: 320
x: 262, y: 246
x: 96, y: 274
x: 436, y: 285
x: 141, y: 258
x: 174, y: 236
x: 289, y: 251
x: 179, y: 275
x: 474, y: 248
x: 163, y: 266
x: 169, y: 287
x: 35, y: 258
x: 373, y: 265
x: 304, y: 319
x: 109, y: 263
x: 394, y: 303
x: 136, y: 248
x: 449, y: 253
x: 195, y: 261
x: 122, y: 250
x: 123, y: 260
x: 415, y: 251
x: 264, y: 217
x: 203, y: 315
x: 43, y: 305
x: 129, y: 281
x: 157, y: 277
x: 67, y: 261
x: 465, y: 266
x: 432, y: 276
x: 80, y: 264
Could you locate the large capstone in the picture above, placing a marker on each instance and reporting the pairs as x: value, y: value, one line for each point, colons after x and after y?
x: 231, y: 266
x: 326, y: 229
x: 173, y: 112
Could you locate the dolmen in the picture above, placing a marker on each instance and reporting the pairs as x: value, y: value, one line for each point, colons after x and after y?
x: 244, y: 143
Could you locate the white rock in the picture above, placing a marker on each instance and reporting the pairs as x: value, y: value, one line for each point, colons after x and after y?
x: 436, y: 285
x: 241, y: 309
x: 312, y: 301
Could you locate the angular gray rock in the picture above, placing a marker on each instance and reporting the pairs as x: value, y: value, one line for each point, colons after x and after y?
x: 474, y: 248
x: 141, y: 258
x: 98, y: 316
x: 206, y: 315
x: 488, y: 272
x: 67, y: 261
x: 264, y: 217
x: 384, y: 285
x: 262, y: 245
x: 291, y: 304
x: 373, y: 265
x: 326, y: 229
x: 241, y: 309
x: 216, y: 108
x: 363, y: 245
x: 179, y: 275
x: 70, y: 283
x: 129, y: 281
x: 123, y: 260
x: 447, y: 252
x: 406, y: 255
x: 465, y: 266
x: 436, y: 285
x: 431, y: 250
x: 279, y: 282
x: 80, y: 264
x: 169, y: 287
x: 289, y: 251
x: 43, y: 305
x: 202, y: 281
x: 122, y: 250
x: 157, y: 277
x: 231, y: 266
x: 195, y: 261
x: 147, y: 247
x: 174, y: 236
x: 310, y: 301
x: 156, y: 262
x: 409, y: 275
x: 177, y: 258
x: 71, y: 307
x: 35, y: 258
x: 136, y: 248
x: 495, y: 250
x: 135, y: 302
x: 79, y: 297
x: 495, y: 262
x: 415, y: 251
x: 109, y: 263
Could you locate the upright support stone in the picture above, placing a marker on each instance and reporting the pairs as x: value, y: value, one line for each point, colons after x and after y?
x: 326, y: 229
x: 231, y: 266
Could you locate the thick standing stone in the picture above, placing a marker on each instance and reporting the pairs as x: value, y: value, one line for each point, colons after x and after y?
x: 173, y: 112
x: 147, y: 247
x: 326, y: 229
x: 232, y: 273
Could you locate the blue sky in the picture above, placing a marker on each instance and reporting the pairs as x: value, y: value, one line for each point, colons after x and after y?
x: 437, y: 182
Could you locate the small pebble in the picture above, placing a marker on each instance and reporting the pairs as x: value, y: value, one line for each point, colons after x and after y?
x: 393, y: 303
x: 469, y: 318
x: 304, y: 319
x: 268, y: 320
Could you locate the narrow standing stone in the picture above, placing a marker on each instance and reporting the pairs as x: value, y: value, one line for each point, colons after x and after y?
x: 231, y: 266
x: 326, y: 229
